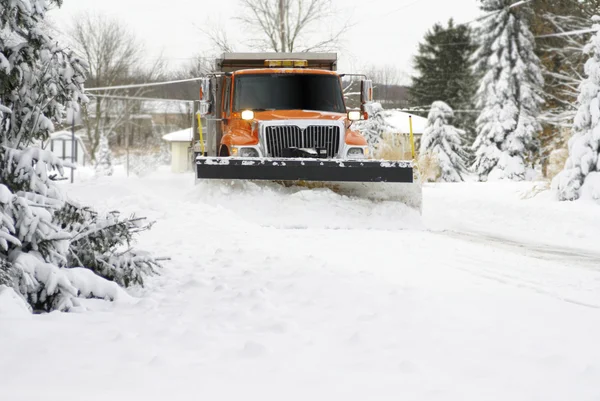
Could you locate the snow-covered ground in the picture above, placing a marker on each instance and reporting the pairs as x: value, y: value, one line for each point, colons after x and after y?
x: 275, y: 294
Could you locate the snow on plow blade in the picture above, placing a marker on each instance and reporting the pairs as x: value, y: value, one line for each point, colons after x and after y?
x: 372, y: 179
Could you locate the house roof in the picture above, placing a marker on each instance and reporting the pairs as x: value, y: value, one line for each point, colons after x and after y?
x: 64, y: 134
x: 184, y: 135
x: 398, y: 120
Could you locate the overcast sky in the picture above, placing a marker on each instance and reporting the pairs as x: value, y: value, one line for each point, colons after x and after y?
x: 385, y: 32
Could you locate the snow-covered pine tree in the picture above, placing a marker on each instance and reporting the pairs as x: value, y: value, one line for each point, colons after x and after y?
x: 443, y: 72
x: 444, y: 142
x: 509, y: 91
x: 103, y: 244
x: 583, y: 165
x: 104, y: 158
x: 7, y: 228
x: 41, y: 82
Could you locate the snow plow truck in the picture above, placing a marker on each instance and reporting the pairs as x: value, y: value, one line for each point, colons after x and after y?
x: 282, y: 117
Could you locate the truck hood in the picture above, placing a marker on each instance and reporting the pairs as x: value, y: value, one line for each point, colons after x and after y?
x: 271, y: 115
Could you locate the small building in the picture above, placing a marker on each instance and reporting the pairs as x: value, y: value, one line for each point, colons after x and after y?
x: 180, y: 149
x: 61, y: 144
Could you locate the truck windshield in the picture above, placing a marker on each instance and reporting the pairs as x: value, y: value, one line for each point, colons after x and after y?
x: 288, y: 92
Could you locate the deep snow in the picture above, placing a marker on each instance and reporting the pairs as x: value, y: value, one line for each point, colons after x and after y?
x: 275, y: 294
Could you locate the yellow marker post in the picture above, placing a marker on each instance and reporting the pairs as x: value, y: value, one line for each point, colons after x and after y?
x: 412, y: 138
x: 200, y: 133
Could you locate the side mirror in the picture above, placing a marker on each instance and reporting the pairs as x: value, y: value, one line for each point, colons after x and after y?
x: 206, y: 97
x: 366, y: 91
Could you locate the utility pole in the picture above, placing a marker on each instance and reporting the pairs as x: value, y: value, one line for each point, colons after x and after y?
x: 282, y: 13
x: 73, y: 144
x: 195, y: 135
x: 127, y: 129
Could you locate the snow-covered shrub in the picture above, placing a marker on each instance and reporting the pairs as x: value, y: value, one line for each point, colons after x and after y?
x: 584, y: 146
x: 508, y: 94
x: 41, y: 84
x: 557, y: 159
x: 429, y: 167
x: 445, y: 142
x: 391, y: 147
x: 104, y: 158
x: 103, y: 244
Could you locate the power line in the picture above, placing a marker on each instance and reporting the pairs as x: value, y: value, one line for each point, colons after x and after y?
x: 519, y: 3
x: 143, y: 85
x: 403, y: 7
x: 141, y: 98
x: 569, y: 33
x: 550, y: 35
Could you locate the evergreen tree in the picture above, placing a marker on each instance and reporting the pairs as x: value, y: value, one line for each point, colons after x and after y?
x: 562, y: 60
x: 444, y: 142
x: 583, y: 164
x: 49, y: 251
x: 444, y: 72
x: 509, y: 92
x: 104, y: 158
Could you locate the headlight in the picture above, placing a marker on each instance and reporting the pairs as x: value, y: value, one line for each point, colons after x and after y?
x: 247, y: 115
x: 354, y: 115
x: 248, y: 152
x: 356, y: 153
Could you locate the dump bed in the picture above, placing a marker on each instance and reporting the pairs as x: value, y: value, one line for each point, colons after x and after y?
x: 230, y: 62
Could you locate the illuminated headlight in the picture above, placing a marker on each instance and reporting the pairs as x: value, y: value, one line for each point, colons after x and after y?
x: 247, y: 115
x: 247, y: 152
x: 354, y: 115
x: 356, y: 153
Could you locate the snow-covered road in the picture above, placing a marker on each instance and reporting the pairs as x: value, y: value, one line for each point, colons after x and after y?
x: 275, y: 295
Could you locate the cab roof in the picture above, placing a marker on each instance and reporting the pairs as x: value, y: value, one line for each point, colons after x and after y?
x: 231, y: 62
x: 284, y: 71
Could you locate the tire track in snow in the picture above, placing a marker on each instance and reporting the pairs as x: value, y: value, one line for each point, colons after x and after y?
x: 540, y: 252
x: 580, y: 257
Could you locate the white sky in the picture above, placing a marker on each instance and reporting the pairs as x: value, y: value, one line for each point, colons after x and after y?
x: 386, y: 32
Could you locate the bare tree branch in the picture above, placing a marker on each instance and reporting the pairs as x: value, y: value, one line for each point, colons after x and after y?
x: 114, y: 55
x: 217, y: 35
x: 291, y: 25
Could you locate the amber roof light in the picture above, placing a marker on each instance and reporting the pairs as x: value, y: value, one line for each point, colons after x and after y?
x: 286, y: 63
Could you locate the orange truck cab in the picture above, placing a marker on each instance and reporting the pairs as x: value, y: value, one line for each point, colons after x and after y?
x: 279, y: 105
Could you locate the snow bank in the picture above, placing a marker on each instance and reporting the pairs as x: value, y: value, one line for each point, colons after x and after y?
x: 92, y: 286
x: 11, y: 304
x: 523, y: 211
x: 399, y: 121
x: 590, y: 190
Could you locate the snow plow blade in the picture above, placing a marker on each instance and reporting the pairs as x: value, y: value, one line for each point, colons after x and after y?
x: 304, y: 170
x: 372, y: 179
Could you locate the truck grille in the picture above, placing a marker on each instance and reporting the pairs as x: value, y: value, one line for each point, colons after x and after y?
x: 280, y: 137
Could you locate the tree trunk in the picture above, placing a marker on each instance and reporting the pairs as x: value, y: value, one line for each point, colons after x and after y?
x: 282, y: 11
